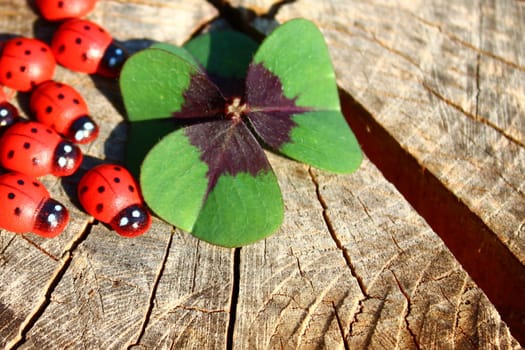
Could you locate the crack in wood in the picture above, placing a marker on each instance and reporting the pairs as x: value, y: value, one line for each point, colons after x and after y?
x: 341, y: 327
x: 3, y: 260
x: 372, y: 324
x: 304, y: 326
x: 487, y: 260
x: 45, y: 300
x: 151, y: 300
x: 234, y: 298
x: 195, y: 265
x: 39, y: 247
x: 200, y: 309
x: 373, y: 38
x: 475, y: 115
x: 334, y: 235
x: 470, y: 115
x: 478, y: 60
x: 468, y: 45
x: 456, y: 308
x: 301, y: 272
x: 408, y: 311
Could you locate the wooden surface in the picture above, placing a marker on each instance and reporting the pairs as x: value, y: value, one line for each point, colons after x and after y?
x: 354, y: 265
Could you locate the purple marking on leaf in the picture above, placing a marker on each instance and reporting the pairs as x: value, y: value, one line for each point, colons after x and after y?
x: 227, y: 147
x: 270, y: 112
x: 202, y: 99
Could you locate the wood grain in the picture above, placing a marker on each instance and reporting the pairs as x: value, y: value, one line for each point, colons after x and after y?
x: 444, y: 81
x: 353, y: 266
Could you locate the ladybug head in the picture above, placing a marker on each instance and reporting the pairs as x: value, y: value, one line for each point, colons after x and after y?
x: 131, y: 221
x: 82, y: 130
x: 67, y: 158
x: 51, y: 220
x: 112, y: 61
x: 8, y: 114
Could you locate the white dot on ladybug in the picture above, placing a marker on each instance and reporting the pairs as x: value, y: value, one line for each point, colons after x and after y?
x: 62, y: 161
x: 124, y: 221
x: 52, y: 219
x: 58, y: 208
x: 82, y: 134
x: 68, y: 148
x: 135, y: 214
x: 3, y: 112
x: 79, y: 135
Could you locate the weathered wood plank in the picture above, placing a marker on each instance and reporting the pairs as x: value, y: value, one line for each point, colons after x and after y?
x: 394, y: 59
x: 104, y: 290
x: 353, y: 263
x: 446, y: 80
x: 193, y: 298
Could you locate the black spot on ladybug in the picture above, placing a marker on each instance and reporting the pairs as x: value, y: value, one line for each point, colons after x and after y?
x: 60, y: 4
x: 59, y: 85
x: 60, y: 96
x: 131, y: 188
x: 35, y: 161
x: 27, y: 145
x: 49, y: 131
x: 116, y: 180
x: 18, y: 211
x: 117, y: 168
x: 36, y: 184
x: 61, y: 48
x: 49, y: 109
x: 78, y: 41
x: 22, y: 69
x: 83, y: 190
x: 20, y: 182
x: 84, y: 57
x: 11, y: 154
x: 87, y: 27
x: 34, y: 130
x: 101, y: 189
x: 18, y: 43
x: 8, y: 75
x: 43, y: 49
x: 27, y: 52
x: 76, y: 101
x: 11, y: 195
x: 99, y: 207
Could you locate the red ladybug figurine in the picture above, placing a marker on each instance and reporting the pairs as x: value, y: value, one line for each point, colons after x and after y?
x: 109, y: 193
x: 34, y: 149
x: 8, y: 113
x: 25, y: 63
x: 26, y: 206
x: 56, y: 10
x: 61, y: 107
x: 84, y: 46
